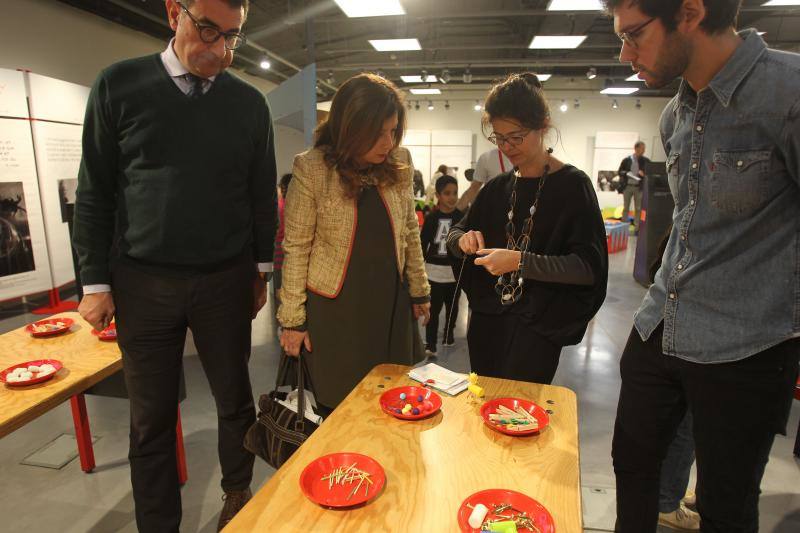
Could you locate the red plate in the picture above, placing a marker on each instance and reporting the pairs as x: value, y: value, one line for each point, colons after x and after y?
x: 318, y: 491
x: 391, y: 402
x: 490, y: 408
x: 67, y: 323
x: 541, y: 517
x: 39, y: 362
x: 108, y: 334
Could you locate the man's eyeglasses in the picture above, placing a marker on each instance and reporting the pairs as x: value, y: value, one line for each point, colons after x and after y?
x: 629, y: 37
x: 211, y: 34
x: 514, y: 140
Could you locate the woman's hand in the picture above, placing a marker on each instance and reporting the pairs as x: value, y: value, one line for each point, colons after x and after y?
x: 422, y: 310
x: 291, y: 340
x: 471, y: 242
x: 499, y: 261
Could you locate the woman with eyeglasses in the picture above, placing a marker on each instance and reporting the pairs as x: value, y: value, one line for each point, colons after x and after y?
x: 531, y: 250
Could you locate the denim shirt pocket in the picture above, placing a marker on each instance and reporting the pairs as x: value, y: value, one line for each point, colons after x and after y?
x: 738, y: 180
x: 673, y: 174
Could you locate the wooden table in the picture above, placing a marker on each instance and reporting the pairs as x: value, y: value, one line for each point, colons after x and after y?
x: 86, y: 360
x: 431, y: 465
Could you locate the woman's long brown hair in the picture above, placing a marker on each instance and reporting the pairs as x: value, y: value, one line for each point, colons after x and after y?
x: 359, y: 108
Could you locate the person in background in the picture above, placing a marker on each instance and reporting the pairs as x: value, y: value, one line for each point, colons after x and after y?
x: 419, y: 185
x: 631, y: 181
x: 542, y: 263
x: 174, y: 229
x: 354, y: 280
x: 490, y: 164
x: 430, y: 191
x: 437, y: 263
x: 283, y: 188
x: 718, y: 332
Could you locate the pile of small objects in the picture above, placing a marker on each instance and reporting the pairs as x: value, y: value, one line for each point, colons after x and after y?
x: 504, y: 519
x: 423, y: 405
x: 23, y: 374
x: 514, y: 419
x: 47, y: 327
x: 350, y: 475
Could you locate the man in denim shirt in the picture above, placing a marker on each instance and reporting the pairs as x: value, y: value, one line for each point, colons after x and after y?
x: 718, y: 331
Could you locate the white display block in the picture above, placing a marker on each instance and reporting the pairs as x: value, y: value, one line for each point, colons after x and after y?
x: 451, y: 138
x: 24, y: 267
x: 58, y: 157
x: 417, y: 138
x: 57, y: 100
x: 13, y: 102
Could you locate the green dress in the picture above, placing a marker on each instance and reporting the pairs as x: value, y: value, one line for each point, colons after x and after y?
x: 371, y: 320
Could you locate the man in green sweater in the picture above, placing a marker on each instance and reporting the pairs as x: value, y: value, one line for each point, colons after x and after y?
x: 175, y: 221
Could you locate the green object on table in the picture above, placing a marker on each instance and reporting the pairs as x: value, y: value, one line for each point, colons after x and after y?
x: 503, y: 527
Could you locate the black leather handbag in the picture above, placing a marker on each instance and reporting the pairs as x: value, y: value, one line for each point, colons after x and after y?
x: 279, y: 431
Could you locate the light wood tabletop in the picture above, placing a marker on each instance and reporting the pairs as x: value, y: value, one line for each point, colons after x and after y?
x: 431, y: 465
x: 86, y: 361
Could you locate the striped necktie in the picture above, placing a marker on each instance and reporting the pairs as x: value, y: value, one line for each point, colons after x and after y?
x: 196, y: 87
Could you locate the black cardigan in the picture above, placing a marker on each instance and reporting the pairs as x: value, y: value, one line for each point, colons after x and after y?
x: 568, y: 222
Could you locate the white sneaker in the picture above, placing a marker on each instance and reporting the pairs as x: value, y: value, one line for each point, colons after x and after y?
x: 681, y: 519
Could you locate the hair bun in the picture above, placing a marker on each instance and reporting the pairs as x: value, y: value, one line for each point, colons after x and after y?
x: 531, y: 79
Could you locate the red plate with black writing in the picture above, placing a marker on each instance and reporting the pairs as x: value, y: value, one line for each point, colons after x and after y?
x: 423, y: 399
x: 520, y: 503
x: 320, y: 490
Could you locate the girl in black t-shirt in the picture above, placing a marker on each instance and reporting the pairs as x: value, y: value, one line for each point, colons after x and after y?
x: 533, y: 245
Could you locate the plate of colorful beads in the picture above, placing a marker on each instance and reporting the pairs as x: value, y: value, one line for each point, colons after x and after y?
x: 410, y: 403
x: 502, y: 511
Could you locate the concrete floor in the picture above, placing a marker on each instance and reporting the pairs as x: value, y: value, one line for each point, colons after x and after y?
x: 67, y: 500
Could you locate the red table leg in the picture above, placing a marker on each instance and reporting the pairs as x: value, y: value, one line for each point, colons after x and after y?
x: 183, y: 475
x: 82, y: 432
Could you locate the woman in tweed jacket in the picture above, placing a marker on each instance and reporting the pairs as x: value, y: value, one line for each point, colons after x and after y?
x: 354, y: 280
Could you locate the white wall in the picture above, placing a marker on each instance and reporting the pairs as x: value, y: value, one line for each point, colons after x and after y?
x: 54, y: 39
x: 577, y: 127
x: 288, y: 143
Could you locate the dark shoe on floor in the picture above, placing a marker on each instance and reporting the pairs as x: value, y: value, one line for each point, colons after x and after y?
x: 449, y: 341
x: 234, y: 501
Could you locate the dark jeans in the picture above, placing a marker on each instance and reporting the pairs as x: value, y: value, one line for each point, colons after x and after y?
x: 677, y: 467
x: 506, y: 346
x: 442, y: 295
x: 153, y: 312
x: 737, y: 408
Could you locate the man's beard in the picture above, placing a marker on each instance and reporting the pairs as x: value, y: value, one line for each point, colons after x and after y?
x: 671, y: 63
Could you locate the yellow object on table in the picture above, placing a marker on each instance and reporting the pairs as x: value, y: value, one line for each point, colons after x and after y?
x: 431, y: 465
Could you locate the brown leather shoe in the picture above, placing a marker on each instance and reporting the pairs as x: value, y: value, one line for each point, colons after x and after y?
x: 234, y: 501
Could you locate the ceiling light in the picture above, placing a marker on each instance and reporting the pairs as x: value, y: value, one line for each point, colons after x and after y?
x: 265, y: 64
x: 430, y: 106
x: 445, y: 77
x: 634, y: 77
x: 447, y: 105
x: 777, y: 3
x: 477, y: 106
x: 564, y: 106
x: 467, y: 78
x: 544, y: 77
x: 547, y: 42
x: 575, y: 5
x: 416, y: 105
x: 591, y: 73
x: 638, y: 104
x: 426, y: 91
x: 418, y: 79
x: 619, y: 90
x: 370, y: 8
x: 330, y: 79
x: 577, y: 104
x: 395, y: 45
x: 614, y: 105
